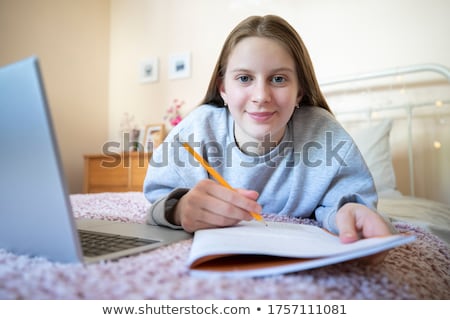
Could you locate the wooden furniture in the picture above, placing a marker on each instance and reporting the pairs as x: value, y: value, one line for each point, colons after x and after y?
x: 115, y: 172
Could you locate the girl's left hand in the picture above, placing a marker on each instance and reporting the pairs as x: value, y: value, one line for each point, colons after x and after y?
x: 355, y: 220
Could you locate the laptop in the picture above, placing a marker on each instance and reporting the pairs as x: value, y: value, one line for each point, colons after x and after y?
x: 36, y: 217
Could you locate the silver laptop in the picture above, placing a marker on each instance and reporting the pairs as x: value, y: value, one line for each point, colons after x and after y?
x: 36, y: 217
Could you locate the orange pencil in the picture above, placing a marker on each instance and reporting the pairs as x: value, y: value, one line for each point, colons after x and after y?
x: 216, y: 175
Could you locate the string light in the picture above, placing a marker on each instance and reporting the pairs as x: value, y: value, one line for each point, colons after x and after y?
x: 439, y: 104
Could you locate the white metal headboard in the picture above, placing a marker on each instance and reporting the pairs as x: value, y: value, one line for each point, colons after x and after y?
x: 408, y: 108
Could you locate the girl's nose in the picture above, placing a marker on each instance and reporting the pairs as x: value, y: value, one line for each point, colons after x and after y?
x: 261, y: 93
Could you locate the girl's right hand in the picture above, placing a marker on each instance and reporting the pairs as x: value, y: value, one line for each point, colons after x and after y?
x: 210, y: 205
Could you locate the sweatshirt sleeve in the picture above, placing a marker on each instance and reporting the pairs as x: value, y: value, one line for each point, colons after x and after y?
x: 163, y: 208
x: 353, y: 182
x: 170, y: 175
x: 172, y: 171
x: 163, y: 185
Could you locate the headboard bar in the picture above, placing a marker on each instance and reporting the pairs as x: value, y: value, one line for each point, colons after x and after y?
x: 429, y: 67
x: 420, y: 68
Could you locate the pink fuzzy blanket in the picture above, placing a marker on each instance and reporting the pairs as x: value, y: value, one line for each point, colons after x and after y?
x: 419, y: 270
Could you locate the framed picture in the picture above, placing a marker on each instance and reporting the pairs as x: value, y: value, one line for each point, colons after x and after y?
x: 154, y: 135
x: 148, y: 71
x: 180, y: 65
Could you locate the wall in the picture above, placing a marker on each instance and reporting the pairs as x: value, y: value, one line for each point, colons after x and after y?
x: 343, y: 37
x: 71, y: 39
x: 91, y: 51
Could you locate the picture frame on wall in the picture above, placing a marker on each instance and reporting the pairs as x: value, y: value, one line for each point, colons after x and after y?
x: 154, y: 135
x: 148, y: 70
x: 180, y: 65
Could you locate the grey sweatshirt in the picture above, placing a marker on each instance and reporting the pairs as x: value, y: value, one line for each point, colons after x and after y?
x: 312, y: 172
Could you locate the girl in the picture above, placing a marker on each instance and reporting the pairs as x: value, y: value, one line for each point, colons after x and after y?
x: 267, y: 129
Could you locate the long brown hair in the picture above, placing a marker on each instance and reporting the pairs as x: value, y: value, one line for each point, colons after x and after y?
x: 278, y: 29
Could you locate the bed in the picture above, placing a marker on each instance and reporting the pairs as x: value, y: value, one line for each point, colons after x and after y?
x: 419, y: 270
x: 400, y: 120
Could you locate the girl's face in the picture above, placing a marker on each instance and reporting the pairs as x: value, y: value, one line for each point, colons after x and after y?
x: 261, y: 89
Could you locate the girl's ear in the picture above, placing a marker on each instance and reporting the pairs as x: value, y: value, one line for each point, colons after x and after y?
x: 299, y: 96
x: 222, y: 92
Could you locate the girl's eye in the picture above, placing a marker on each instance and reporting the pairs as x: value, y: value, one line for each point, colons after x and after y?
x: 278, y: 79
x: 244, y: 79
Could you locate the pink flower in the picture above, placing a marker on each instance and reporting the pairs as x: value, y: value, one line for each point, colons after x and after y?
x: 173, y: 114
x: 176, y: 120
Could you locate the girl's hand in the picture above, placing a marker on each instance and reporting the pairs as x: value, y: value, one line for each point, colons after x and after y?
x: 355, y: 220
x: 210, y: 205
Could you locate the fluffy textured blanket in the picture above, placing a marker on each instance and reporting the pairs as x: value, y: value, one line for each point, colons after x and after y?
x: 419, y: 270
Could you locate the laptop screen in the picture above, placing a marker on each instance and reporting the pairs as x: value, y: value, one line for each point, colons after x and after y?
x: 35, y: 211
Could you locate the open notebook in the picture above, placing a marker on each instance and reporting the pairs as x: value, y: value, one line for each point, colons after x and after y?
x: 35, y: 213
x: 251, y: 249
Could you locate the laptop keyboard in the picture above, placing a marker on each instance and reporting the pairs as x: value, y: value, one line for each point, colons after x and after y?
x: 97, y: 243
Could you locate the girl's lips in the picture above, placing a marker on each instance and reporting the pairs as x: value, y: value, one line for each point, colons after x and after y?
x: 260, y: 116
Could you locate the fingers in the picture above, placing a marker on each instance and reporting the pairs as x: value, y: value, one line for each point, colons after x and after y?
x: 346, y: 224
x: 229, y: 203
x: 251, y: 194
x: 209, y: 205
x: 355, y: 221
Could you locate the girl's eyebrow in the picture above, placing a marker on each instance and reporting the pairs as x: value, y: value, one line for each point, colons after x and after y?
x: 240, y: 70
x: 277, y: 70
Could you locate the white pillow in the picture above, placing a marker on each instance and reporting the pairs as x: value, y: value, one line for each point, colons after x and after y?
x: 373, y: 142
